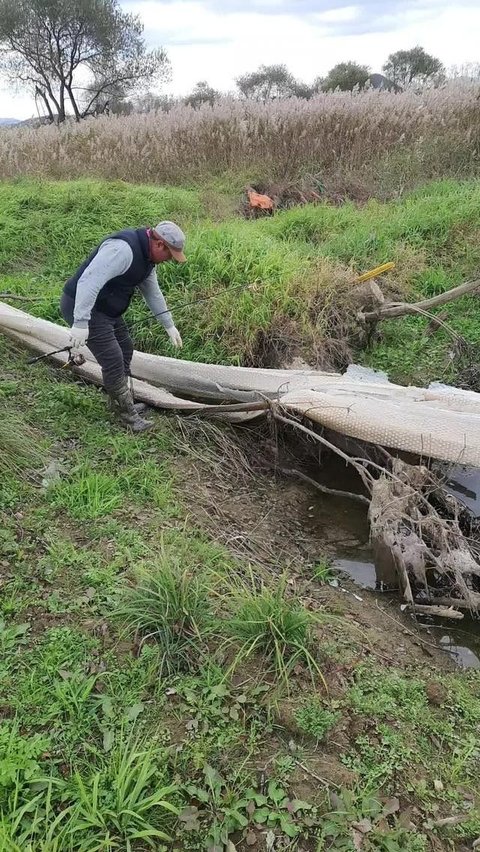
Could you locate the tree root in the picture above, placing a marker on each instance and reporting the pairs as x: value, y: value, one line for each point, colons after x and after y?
x: 421, y: 547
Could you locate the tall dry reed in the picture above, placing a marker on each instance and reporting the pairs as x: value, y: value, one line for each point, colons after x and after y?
x: 333, y: 133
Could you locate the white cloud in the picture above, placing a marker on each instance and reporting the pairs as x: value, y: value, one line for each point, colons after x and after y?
x: 336, y: 16
x: 203, y: 44
x: 307, y: 45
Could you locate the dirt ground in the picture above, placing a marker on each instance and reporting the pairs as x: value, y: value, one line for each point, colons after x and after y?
x: 283, y: 525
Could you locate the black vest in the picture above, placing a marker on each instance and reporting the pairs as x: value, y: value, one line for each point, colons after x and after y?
x: 114, y: 297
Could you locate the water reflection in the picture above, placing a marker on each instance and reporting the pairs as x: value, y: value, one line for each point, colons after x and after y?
x: 461, y: 643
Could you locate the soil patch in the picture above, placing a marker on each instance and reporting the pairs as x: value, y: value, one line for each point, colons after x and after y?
x: 284, y: 527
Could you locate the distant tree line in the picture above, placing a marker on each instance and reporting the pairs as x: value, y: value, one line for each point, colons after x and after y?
x: 403, y: 69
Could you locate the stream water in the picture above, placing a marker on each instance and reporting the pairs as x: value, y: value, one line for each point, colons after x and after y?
x: 342, y: 524
x: 462, y: 643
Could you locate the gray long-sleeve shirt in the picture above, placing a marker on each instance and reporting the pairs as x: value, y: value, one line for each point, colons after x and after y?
x: 113, y: 258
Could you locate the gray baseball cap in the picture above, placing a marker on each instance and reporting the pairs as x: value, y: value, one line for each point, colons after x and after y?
x: 174, y: 237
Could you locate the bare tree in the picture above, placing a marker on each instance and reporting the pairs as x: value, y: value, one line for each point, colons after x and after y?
x: 53, y: 46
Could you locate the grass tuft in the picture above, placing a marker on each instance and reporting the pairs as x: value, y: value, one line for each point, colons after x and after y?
x: 315, y: 719
x: 86, y: 494
x: 268, y: 622
x: 127, y: 803
x: 21, y: 454
x: 170, y: 604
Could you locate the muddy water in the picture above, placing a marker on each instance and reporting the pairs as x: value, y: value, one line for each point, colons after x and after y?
x: 461, y: 643
x: 464, y: 483
x: 342, y: 524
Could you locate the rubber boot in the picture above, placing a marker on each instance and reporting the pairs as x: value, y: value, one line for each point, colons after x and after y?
x: 122, y: 400
x: 140, y: 407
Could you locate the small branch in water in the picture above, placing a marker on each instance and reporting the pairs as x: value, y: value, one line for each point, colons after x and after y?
x: 442, y: 611
x: 333, y: 492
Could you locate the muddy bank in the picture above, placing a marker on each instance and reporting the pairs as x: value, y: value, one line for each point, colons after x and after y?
x: 281, y: 525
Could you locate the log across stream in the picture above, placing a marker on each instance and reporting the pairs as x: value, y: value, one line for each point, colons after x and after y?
x: 420, y: 534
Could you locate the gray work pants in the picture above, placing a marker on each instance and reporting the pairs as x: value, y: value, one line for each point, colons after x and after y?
x: 108, y: 340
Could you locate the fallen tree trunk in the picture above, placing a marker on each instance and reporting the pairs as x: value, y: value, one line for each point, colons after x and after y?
x: 411, y: 539
x: 435, y: 422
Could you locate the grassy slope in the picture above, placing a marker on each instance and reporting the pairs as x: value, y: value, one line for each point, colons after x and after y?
x: 433, y: 236
x: 76, y: 693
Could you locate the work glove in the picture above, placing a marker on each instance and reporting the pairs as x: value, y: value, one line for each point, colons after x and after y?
x: 175, y: 338
x: 78, y: 337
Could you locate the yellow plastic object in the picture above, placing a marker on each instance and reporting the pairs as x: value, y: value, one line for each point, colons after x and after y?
x: 379, y: 270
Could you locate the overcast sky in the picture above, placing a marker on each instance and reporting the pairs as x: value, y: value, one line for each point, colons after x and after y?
x: 216, y: 40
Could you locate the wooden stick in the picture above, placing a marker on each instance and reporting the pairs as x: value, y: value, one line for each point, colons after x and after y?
x: 400, y: 309
x: 333, y: 492
x: 416, y: 636
x: 366, y: 478
x: 317, y: 777
x: 20, y: 298
x: 443, y: 611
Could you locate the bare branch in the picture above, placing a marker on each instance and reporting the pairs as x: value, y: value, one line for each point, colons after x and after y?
x: 400, y: 309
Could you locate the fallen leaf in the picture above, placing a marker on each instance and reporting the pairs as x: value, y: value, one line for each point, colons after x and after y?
x: 299, y: 805
x: 134, y: 711
x: 251, y: 838
x: 231, y: 847
x: 392, y: 806
x: 270, y: 841
x: 364, y: 826
x: 189, y: 816
x: 357, y: 838
x: 108, y: 738
x: 107, y: 706
x: 438, y: 786
x: 452, y: 820
x: 336, y: 801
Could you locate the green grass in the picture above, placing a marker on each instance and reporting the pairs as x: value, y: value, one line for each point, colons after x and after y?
x: 87, y: 495
x: 432, y: 235
x: 123, y: 803
x: 96, y: 722
x: 170, y: 604
x: 270, y: 623
x: 315, y: 719
x: 199, y: 698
